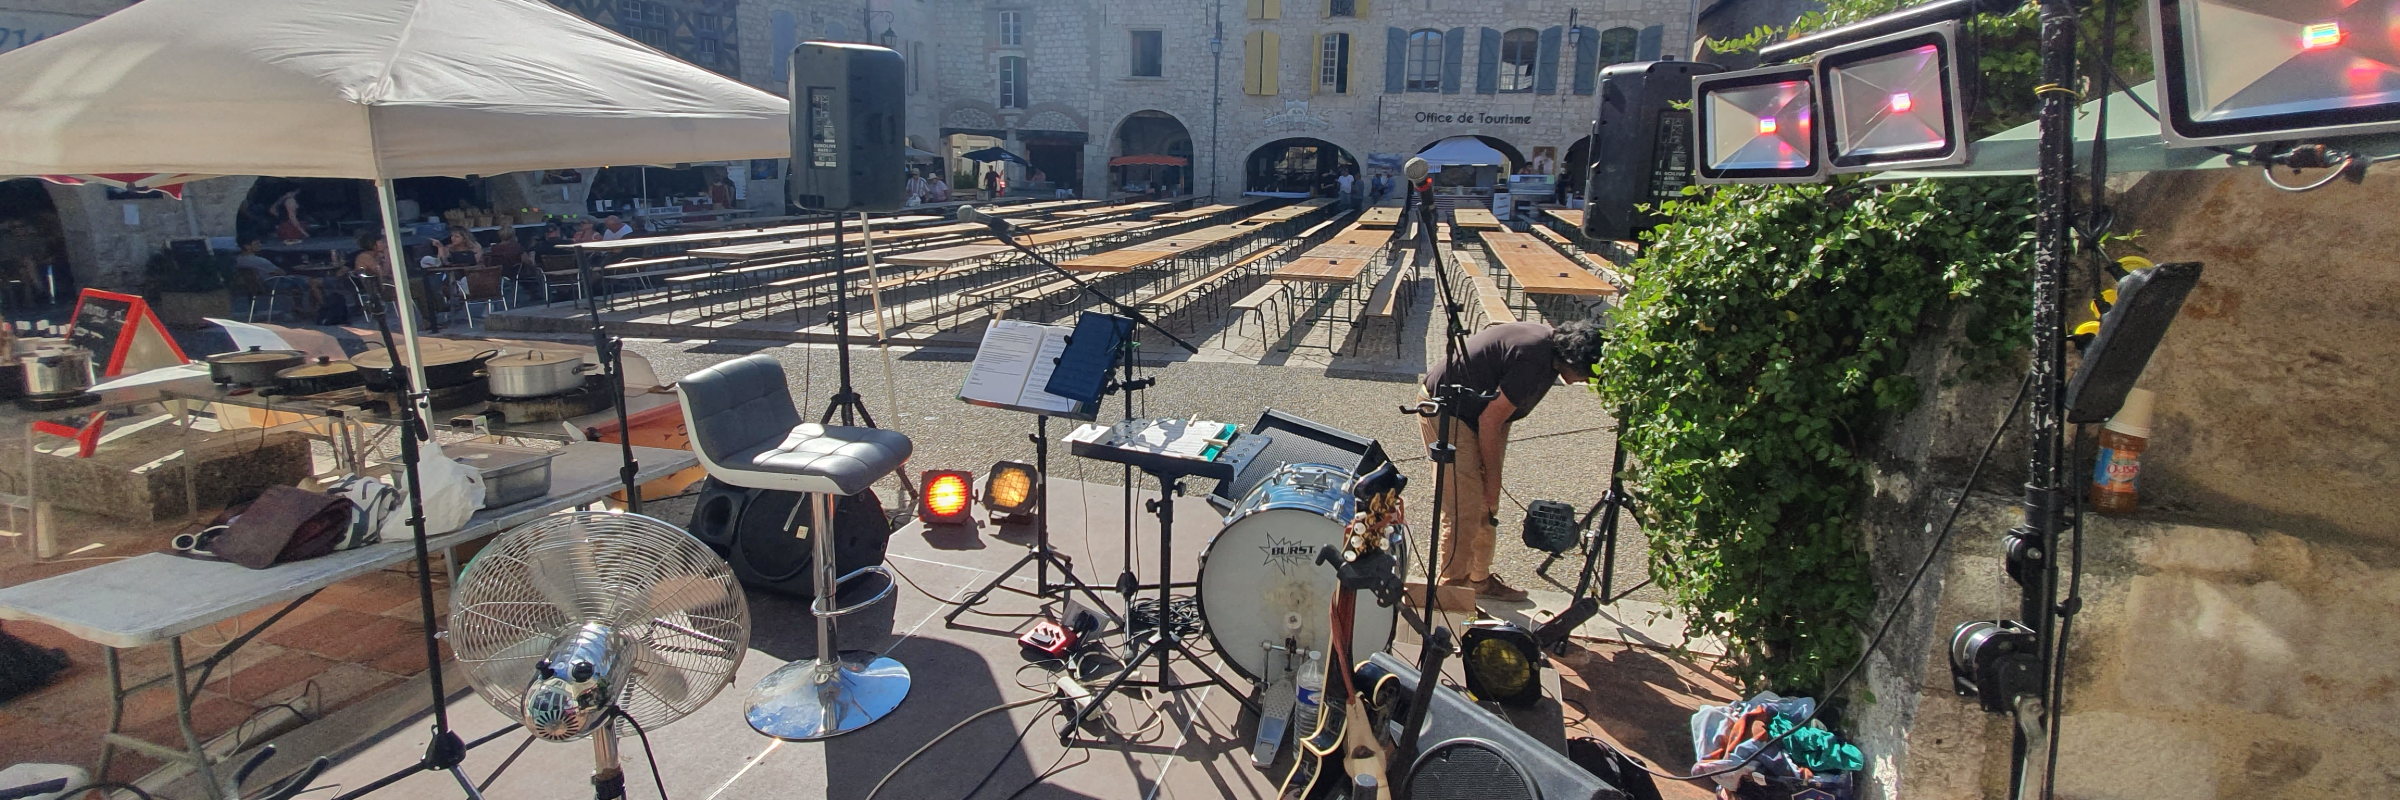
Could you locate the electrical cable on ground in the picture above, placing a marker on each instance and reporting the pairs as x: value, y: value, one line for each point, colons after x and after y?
x: 648, y: 753
x: 970, y: 607
x: 1899, y: 604
x: 2055, y: 682
x: 887, y: 777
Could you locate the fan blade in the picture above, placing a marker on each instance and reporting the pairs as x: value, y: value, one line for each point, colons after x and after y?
x: 664, y: 683
x: 685, y: 594
x: 566, y: 573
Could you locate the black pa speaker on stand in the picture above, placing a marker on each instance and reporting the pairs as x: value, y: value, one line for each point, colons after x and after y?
x: 1467, y: 752
x: 847, y: 111
x: 1642, y: 148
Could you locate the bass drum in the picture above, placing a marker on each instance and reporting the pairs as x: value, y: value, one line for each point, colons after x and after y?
x: 1260, y: 582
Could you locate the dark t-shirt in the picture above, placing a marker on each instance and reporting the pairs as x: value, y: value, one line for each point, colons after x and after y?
x: 1514, y: 358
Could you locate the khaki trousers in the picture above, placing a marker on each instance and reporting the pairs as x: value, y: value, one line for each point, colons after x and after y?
x: 1467, y: 556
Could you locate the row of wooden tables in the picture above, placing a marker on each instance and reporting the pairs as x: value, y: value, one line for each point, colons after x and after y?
x: 1541, y: 269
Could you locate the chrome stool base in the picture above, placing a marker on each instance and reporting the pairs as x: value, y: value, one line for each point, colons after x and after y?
x: 806, y: 700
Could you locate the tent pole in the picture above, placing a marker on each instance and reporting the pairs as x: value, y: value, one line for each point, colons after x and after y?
x: 390, y: 210
x: 399, y: 287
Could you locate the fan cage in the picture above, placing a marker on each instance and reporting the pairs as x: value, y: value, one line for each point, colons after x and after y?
x: 677, y: 600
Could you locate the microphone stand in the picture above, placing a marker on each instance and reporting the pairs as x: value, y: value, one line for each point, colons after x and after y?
x: 1416, y: 226
x: 445, y: 751
x: 611, y: 353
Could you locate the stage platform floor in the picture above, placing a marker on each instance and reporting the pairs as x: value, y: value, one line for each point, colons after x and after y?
x: 1198, y: 750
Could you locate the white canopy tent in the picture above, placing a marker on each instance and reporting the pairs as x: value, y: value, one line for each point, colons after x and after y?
x: 369, y: 89
x: 1463, y: 151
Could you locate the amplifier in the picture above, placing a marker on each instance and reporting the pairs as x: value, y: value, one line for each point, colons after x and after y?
x: 1469, y: 753
x: 1293, y: 440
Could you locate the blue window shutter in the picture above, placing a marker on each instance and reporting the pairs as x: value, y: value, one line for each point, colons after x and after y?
x: 1395, y: 60
x: 1487, y: 62
x: 1587, y: 59
x: 1545, y: 61
x: 1454, y: 56
x: 1653, y: 39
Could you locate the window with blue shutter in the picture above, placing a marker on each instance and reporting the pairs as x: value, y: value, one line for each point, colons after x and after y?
x: 1545, y: 61
x: 1587, y: 59
x: 1454, y: 58
x: 1653, y: 41
x: 1487, y: 62
x: 1395, y: 60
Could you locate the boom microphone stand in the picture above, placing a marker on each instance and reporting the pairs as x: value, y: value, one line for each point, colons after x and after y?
x: 445, y: 751
x: 1418, y: 218
x: 611, y: 353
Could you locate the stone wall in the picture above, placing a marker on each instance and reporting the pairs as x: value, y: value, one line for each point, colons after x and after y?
x: 107, y: 252
x: 2237, y: 636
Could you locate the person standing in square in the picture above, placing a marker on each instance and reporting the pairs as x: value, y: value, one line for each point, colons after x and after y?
x: 1515, y: 363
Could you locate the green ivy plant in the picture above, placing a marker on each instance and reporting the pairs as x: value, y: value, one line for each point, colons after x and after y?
x: 1763, y: 343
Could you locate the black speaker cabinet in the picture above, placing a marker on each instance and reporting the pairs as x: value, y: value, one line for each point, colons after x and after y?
x: 1293, y: 440
x: 847, y: 128
x: 717, y: 513
x: 1469, y: 753
x: 767, y: 555
x: 1641, y: 146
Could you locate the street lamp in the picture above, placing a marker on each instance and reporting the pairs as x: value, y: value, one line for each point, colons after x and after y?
x: 888, y: 38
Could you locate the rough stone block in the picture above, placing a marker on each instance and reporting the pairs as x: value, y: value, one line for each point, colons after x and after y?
x: 131, y: 478
x: 2200, y: 549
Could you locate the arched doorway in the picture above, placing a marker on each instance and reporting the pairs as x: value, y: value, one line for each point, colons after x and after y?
x: 1151, y: 154
x: 329, y: 209
x: 1297, y: 167
x: 1576, y: 167
x: 33, y: 245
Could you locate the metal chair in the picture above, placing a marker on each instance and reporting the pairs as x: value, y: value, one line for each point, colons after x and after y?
x: 483, y: 286
x: 270, y: 289
x: 747, y: 433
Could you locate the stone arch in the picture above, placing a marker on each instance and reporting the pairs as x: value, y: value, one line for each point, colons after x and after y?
x: 1151, y: 132
x: 1278, y: 166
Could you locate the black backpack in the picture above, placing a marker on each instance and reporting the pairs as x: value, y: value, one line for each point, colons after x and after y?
x: 1620, y: 770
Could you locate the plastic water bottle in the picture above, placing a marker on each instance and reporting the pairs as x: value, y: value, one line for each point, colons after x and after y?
x: 1309, y: 693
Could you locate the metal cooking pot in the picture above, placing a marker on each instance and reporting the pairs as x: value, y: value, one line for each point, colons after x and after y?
x: 324, y: 375
x: 447, y: 364
x: 55, y: 372
x: 535, y: 373
x: 252, y: 367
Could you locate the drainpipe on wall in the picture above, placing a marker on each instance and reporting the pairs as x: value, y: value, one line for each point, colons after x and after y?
x: 1216, y: 89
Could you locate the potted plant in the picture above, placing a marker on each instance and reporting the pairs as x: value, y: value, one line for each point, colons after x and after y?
x: 187, y: 288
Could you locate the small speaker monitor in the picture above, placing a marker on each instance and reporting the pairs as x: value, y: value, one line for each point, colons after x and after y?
x: 847, y: 125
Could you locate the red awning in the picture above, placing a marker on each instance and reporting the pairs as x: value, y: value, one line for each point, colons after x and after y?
x: 1149, y: 160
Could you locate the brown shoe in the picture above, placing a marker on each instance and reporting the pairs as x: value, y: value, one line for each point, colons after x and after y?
x: 1491, y: 588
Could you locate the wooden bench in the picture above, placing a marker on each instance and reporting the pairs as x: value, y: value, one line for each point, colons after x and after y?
x: 1033, y: 294
x: 1160, y: 302
x: 1385, y: 303
x: 1556, y: 239
x: 1271, y: 291
x: 1487, y: 294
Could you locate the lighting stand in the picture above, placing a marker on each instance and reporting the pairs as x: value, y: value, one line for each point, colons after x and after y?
x: 446, y: 751
x: 2030, y: 545
x: 1595, y: 553
x: 846, y: 399
x: 611, y: 353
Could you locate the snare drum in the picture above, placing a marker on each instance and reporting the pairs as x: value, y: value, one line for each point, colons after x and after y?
x: 1259, y: 577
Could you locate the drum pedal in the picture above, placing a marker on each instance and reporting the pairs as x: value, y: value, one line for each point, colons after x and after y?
x: 1274, y: 713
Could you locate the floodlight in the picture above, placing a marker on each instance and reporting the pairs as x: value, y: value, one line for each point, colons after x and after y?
x: 1008, y: 490
x: 1893, y: 102
x: 2242, y: 71
x: 946, y: 497
x: 1758, y: 126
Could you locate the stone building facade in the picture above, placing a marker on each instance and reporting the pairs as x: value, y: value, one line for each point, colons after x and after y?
x: 1240, y: 75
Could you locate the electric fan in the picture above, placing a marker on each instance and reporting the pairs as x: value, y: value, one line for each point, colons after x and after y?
x: 582, y: 622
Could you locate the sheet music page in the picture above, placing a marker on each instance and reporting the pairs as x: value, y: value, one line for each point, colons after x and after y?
x: 1045, y: 360
x: 1002, y: 363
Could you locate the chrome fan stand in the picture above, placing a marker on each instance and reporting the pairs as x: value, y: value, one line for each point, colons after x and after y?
x: 836, y: 692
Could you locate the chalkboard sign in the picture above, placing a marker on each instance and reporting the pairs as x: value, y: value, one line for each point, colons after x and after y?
x: 122, y: 333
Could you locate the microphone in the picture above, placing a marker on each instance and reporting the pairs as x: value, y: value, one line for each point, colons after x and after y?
x: 971, y: 214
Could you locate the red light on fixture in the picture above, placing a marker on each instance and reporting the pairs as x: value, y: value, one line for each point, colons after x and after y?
x: 945, y: 496
x: 1766, y: 125
x: 1901, y: 103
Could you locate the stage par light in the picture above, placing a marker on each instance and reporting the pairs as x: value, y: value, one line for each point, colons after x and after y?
x: 946, y: 497
x: 1893, y: 102
x: 1008, y: 490
x: 2243, y: 71
x: 1758, y: 126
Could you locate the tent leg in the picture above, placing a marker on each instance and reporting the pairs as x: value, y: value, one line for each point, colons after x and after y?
x: 389, y: 208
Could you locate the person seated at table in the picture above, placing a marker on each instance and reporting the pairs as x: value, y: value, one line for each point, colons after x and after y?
x: 431, y: 292
x: 586, y: 232
x: 506, y: 253
x: 614, y: 228
x: 260, y: 270
x: 460, y: 249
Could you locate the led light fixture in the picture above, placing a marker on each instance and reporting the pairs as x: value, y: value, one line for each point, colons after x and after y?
x: 946, y: 497
x: 1757, y: 126
x: 1008, y: 490
x: 1503, y: 662
x: 2242, y: 71
x: 1893, y: 102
